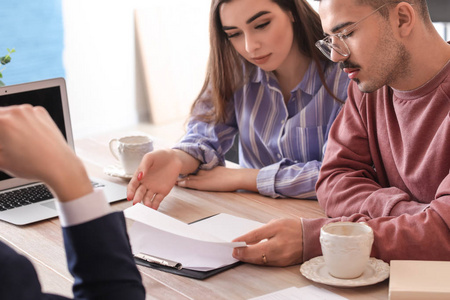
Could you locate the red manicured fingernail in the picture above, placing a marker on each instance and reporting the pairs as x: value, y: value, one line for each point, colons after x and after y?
x: 139, y: 177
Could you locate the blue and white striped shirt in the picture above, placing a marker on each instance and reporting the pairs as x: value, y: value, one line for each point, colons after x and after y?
x: 284, y: 141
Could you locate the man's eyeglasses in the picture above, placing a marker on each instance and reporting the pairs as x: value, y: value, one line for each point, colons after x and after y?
x: 336, y: 41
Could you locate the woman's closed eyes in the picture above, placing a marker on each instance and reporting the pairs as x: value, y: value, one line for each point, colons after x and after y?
x: 258, y: 27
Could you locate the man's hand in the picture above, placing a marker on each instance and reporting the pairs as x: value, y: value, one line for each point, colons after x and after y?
x: 32, y: 147
x: 278, y: 243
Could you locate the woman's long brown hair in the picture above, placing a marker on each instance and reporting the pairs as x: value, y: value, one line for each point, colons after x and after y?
x: 225, y: 71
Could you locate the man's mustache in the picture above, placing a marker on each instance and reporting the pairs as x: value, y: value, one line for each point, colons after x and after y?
x: 348, y: 65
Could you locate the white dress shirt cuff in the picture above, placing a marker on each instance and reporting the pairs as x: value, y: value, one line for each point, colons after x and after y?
x: 84, y: 209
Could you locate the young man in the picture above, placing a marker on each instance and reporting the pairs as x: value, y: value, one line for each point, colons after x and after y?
x: 387, y: 161
x: 96, y: 242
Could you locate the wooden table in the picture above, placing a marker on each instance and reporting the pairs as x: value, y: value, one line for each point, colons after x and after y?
x: 42, y: 242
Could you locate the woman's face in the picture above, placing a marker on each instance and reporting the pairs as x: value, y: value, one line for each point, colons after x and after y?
x: 259, y: 30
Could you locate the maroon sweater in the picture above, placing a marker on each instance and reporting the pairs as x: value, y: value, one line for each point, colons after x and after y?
x: 387, y: 163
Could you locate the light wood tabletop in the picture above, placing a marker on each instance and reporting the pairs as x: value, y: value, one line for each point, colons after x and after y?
x: 42, y: 242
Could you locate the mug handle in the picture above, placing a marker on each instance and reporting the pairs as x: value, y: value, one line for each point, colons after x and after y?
x: 113, y: 148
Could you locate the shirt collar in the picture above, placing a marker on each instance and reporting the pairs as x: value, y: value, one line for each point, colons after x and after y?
x: 310, y: 83
x: 257, y: 75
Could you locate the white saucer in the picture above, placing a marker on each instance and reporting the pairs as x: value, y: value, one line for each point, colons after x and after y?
x: 315, y: 270
x: 116, y: 171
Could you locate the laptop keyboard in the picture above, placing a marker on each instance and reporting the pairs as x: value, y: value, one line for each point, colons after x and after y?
x: 28, y: 195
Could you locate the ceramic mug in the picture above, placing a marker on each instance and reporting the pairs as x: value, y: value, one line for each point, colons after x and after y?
x: 346, y: 248
x: 129, y: 150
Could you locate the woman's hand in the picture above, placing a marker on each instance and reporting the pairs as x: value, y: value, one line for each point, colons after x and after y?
x: 221, y: 179
x: 278, y: 243
x: 156, y: 175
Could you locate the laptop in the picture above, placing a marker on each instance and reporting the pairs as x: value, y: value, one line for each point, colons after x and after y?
x: 23, y: 201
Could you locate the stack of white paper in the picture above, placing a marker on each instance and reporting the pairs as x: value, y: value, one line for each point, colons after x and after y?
x: 202, y: 246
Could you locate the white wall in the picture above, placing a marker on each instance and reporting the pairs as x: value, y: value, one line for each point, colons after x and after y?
x: 314, y: 4
x: 99, y: 63
x: 100, y: 60
x: 172, y: 60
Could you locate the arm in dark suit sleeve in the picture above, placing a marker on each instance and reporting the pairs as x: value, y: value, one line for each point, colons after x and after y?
x: 99, y: 257
x: 18, y: 278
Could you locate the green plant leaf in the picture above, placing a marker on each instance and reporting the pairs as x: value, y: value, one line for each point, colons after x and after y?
x: 5, y: 59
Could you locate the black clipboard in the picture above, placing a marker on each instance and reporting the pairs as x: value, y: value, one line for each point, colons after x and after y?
x: 186, y: 272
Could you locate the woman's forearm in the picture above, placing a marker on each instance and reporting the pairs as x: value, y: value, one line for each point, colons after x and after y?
x: 189, y: 164
x: 246, y: 179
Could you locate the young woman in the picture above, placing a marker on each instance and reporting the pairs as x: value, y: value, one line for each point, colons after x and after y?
x: 267, y: 82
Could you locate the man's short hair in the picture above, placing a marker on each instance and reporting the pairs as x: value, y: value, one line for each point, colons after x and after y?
x: 419, y: 5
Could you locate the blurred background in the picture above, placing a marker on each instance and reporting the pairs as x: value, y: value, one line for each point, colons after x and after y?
x: 123, y: 61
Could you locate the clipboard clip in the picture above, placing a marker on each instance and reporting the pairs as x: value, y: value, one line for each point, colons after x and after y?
x: 159, y: 261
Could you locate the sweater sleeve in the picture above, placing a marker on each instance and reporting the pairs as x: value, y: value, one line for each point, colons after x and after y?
x: 349, y: 189
x: 421, y: 236
x: 348, y: 182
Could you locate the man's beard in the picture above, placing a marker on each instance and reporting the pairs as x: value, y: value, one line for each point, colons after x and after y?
x: 395, y: 67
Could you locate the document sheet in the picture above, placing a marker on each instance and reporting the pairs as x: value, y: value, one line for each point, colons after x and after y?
x: 204, y: 245
x: 308, y: 292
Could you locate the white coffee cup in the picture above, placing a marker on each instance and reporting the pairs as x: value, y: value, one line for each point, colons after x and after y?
x: 129, y: 150
x: 346, y: 248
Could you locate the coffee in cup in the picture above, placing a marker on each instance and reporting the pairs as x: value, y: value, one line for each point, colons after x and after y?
x: 346, y: 248
x: 130, y: 150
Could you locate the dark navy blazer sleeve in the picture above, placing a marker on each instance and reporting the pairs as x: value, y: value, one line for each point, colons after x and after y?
x: 98, y: 256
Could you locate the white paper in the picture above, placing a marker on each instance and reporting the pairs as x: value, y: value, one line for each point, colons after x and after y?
x: 308, y: 292
x: 204, y: 245
x: 226, y: 226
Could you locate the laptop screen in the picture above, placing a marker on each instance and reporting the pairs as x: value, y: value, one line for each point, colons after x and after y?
x: 47, y: 97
